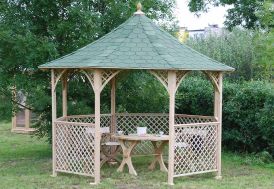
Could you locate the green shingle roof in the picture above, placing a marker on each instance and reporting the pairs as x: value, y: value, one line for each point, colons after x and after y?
x: 137, y: 44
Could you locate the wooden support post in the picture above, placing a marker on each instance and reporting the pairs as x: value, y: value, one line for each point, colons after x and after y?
x: 27, y: 118
x: 218, y: 116
x: 113, y: 105
x: 97, y: 91
x: 54, y: 115
x: 64, y: 94
x: 113, y: 110
x: 171, y: 91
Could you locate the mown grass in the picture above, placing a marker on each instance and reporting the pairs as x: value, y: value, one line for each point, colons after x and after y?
x: 25, y: 162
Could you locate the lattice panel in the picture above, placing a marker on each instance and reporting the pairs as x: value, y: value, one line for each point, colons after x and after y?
x: 186, y: 119
x: 105, y: 120
x: 179, y: 76
x: 195, y: 149
x: 75, y: 148
x: 129, y: 123
x: 89, y: 73
x: 58, y: 73
x: 82, y: 119
x: 155, y: 123
x: 215, y: 76
x: 162, y: 75
x: 106, y: 74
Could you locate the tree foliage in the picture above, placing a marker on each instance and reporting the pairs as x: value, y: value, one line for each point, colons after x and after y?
x: 245, y: 13
x: 248, y: 116
x: 33, y: 32
x: 249, y: 52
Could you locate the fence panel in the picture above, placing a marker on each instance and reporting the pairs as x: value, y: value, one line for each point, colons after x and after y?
x: 195, y: 148
x: 75, y: 147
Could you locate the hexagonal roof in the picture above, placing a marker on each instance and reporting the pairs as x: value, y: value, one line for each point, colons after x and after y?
x: 137, y: 44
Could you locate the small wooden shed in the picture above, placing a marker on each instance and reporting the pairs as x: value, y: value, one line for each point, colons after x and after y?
x: 23, y: 117
x: 137, y: 44
x: 21, y: 122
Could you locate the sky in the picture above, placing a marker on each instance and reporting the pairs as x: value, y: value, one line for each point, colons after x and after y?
x: 215, y: 15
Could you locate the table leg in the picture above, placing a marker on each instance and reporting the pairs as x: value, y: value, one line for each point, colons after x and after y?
x: 108, y: 157
x: 127, y: 156
x: 158, y: 157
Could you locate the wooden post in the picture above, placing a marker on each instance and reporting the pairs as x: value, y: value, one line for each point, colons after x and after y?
x: 113, y: 104
x: 113, y: 110
x: 64, y: 94
x: 218, y: 116
x: 171, y: 91
x: 27, y: 118
x: 97, y: 91
x: 54, y: 115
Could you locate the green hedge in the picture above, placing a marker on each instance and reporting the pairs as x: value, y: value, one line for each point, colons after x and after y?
x: 248, y: 112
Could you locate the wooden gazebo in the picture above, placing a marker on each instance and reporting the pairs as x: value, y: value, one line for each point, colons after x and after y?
x: 137, y: 44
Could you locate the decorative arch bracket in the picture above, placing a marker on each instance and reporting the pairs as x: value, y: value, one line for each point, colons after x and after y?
x: 106, y: 76
x: 162, y: 76
x: 214, y: 78
x: 57, y: 76
x: 180, y: 75
x: 89, y: 73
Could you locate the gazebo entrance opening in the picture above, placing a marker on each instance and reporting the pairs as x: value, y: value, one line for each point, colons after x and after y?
x: 194, y: 140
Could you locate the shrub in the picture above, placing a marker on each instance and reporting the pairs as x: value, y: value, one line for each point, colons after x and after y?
x: 248, y: 112
x: 248, y: 120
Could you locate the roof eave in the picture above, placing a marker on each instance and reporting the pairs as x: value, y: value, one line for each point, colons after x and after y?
x: 135, y: 68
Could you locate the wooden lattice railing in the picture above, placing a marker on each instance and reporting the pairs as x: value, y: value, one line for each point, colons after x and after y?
x: 195, y: 140
x: 74, y: 145
x: 195, y: 148
x: 155, y: 123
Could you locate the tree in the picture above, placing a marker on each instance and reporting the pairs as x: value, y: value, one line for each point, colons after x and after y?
x: 243, y: 12
x: 264, y: 42
x: 33, y: 32
x: 236, y: 49
x: 249, y: 52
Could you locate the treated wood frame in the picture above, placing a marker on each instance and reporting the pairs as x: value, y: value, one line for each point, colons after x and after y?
x: 98, y: 79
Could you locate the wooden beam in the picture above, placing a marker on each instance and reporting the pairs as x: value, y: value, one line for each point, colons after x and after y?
x: 113, y: 104
x: 97, y: 91
x: 113, y: 110
x: 218, y: 115
x: 64, y: 95
x: 171, y: 90
x: 54, y: 115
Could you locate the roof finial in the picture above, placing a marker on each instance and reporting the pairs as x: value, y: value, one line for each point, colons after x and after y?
x: 139, y: 6
x: 139, y: 9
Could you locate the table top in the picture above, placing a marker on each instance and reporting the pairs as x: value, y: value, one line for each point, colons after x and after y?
x: 147, y: 137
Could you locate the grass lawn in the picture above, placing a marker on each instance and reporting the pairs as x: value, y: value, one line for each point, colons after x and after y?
x: 25, y: 162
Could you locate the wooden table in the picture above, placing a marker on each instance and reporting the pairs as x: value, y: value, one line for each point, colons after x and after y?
x: 128, y: 142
